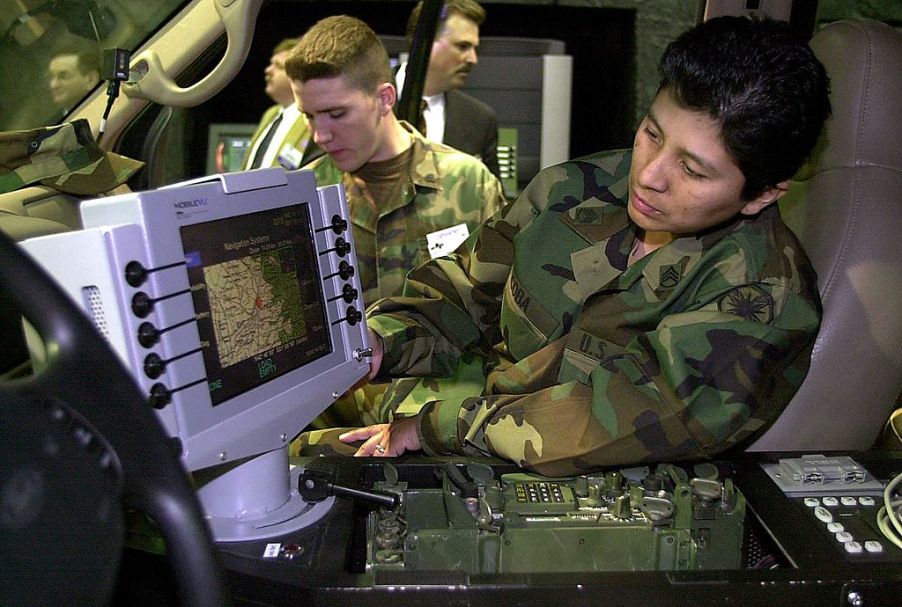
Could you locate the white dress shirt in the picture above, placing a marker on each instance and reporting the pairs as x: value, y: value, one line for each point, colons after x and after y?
x: 289, y: 115
x: 434, y: 112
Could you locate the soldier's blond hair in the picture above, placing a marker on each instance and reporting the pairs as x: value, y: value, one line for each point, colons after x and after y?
x: 285, y: 45
x: 340, y: 46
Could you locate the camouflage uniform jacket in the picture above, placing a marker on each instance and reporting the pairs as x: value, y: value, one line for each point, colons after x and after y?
x: 444, y: 188
x: 590, y: 362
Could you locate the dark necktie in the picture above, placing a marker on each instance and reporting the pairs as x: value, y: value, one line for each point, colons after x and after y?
x: 421, y: 118
x: 261, y: 149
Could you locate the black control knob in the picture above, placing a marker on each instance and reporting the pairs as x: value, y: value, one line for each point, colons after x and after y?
x: 142, y: 304
x: 353, y: 316
x: 339, y: 224
x: 349, y: 293
x: 342, y: 247
x: 135, y: 274
x: 148, y: 335
x: 345, y: 270
x: 653, y: 482
x: 159, y: 396
x: 154, y: 365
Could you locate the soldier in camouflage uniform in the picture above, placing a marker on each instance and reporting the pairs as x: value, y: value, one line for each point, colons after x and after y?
x: 409, y: 199
x: 630, y: 307
x: 440, y: 188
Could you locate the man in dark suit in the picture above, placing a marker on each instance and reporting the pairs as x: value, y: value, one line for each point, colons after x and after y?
x: 451, y: 116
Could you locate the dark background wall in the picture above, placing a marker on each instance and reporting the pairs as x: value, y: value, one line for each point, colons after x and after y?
x: 601, y: 41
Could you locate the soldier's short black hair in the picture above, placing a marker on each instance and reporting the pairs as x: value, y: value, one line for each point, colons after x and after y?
x: 762, y: 84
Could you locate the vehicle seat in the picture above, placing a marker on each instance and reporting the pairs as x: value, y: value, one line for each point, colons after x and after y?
x: 845, y: 206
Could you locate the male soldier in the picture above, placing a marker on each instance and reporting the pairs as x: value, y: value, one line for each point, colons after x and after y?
x: 451, y: 116
x: 71, y: 74
x: 283, y: 132
x: 409, y: 199
x: 631, y: 306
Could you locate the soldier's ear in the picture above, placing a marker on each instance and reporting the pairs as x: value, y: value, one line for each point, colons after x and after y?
x: 387, y: 96
x: 766, y: 198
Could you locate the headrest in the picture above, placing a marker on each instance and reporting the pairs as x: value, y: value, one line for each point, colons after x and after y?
x: 863, y: 59
x: 64, y: 157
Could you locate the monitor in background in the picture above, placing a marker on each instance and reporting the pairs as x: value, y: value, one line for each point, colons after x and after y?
x: 234, y: 302
x: 227, y: 145
x: 528, y: 82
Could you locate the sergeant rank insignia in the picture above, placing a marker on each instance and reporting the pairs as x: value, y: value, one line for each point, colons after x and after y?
x: 670, y: 276
x: 750, y: 302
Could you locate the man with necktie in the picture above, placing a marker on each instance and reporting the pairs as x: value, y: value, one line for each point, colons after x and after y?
x: 283, y: 133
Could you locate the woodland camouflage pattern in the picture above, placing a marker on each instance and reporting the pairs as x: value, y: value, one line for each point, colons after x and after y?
x: 63, y: 157
x: 445, y: 188
x: 589, y: 362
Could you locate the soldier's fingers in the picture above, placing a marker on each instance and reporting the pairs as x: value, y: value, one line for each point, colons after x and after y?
x: 361, y: 433
x: 372, y: 447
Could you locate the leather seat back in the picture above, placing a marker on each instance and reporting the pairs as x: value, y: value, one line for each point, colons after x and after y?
x: 846, y: 207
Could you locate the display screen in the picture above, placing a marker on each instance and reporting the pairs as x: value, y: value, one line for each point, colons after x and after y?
x: 257, y: 295
x: 227, y: 145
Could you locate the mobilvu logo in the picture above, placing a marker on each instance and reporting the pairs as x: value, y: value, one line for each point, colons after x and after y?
x: 184, y: 204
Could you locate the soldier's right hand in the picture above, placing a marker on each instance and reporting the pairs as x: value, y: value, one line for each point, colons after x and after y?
x: 375, y: 360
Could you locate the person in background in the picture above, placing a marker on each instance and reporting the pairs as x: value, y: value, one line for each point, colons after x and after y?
x: 72, y: 73
x: 283, y: 133
x: 450, y: 116
x: 639, y: 305
x: 409, y: 199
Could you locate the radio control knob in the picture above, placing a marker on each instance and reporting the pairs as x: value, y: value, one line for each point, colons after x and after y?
x: 342, y: 247
x: 135, y: 274
x: 148, y: 335
x: 339, y: 224
x: 349, y: 293
x: 353, y: 316
x: 142, y: 304
x: 345, y: 270
x: 154, y: 365
x: 159, y: 396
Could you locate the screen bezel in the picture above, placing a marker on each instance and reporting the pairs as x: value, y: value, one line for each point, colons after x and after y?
x: 269, y: 415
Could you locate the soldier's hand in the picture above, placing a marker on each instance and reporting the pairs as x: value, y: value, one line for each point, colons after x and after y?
x: 385, y: 440
x: 375, y: 360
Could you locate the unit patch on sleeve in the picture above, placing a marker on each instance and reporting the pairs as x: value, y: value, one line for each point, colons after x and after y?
x: 750, y: 302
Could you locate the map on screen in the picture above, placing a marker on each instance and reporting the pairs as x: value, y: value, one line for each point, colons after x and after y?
x: 255, y: 304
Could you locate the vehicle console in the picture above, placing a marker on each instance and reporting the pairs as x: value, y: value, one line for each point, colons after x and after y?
x: 765, y: 529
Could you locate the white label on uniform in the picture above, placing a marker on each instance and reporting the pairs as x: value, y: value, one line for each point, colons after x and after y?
x: 290, y: 157
x: 272, y: 551
x: 443, y: 242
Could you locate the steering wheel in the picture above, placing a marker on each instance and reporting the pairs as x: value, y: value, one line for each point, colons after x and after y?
x: 78, y: 427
